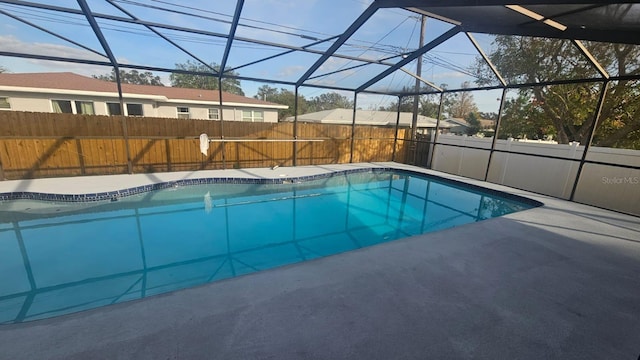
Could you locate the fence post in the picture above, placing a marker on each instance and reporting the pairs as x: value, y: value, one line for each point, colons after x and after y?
x: 435, y: 139
x: 573, y: 149
x: 461, y: 148
x: 80, y: 157
x: 125, y: 135
x: 506, y: 160
x: 353, y: 126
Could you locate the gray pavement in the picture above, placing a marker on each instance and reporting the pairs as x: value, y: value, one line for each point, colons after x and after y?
x: 557, y: 282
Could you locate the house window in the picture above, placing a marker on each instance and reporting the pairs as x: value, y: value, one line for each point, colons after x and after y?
x: 4, y: 103
x: 183, y: 112
x: 62, y: 106
x: 113, y: 109
x: 85, y: 107
x: 252, y: 115
x: 214, y: 114
x: 134, y: 109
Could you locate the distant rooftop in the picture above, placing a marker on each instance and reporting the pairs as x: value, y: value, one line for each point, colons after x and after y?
x: 73, y: 81
x: 367, y: 117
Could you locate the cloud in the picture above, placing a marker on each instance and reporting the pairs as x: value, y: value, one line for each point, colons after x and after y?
x: 332, y: 64
x: 292, y: 70
x: 447, y: 75
x: 11, y: 43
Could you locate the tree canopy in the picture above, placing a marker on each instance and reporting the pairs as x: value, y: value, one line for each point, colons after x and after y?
x: 328, y: 101
x: 210, y: 82
x: 284, y: 97
x: 325, y: 101
x: 566, y: 111
x: 474, y: 124
x: 132, y: 77
x: 460, y: 104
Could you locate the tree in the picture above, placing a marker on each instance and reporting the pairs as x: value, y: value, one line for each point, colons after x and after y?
x: 461, y: 103
x: 132, y: 77
x: 284, y: 97
x: 198, y: 81
x: 429, y: 105
x: 406, y: 105
x: 328, y: 101
x: 520, y: 120
x: 488, y: 115
x: 566, y: 111
x: 474, y: 124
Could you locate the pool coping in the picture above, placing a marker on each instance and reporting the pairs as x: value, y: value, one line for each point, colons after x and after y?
x: 249, y: 176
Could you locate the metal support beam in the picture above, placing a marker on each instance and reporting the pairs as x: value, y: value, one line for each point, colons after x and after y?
x: 52, y: 33
x: 592, y: 131
x: 382, y: 61
x: 414, y: 55
x: 586, y: 53
x: 103, y: 42
x: 416, y: 98
x: 419, y: 78
x: 437, y: 130
x: 223, y: 150
x: 353, y: 126
x: 495, y: 133
x: 161, y: 35
x: 280, y: 54
x: 395, y: 138
x: 486, y: 59
x: 232, y: 34
x: 340, y: 41
x: 181, y: 29
x: 295, y: 126
x: 114, y: 62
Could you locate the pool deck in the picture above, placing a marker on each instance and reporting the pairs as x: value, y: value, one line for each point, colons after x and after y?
x: 561, y: 281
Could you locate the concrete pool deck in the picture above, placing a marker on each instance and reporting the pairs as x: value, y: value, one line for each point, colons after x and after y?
x: 561, y: 281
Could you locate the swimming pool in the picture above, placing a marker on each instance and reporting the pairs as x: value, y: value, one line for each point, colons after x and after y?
x: 66, y: 256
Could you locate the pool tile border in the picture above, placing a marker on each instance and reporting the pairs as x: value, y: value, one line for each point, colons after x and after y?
x: 115, y: 195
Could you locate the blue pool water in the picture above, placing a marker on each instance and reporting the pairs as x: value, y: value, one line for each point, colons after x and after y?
x: 59, y: 258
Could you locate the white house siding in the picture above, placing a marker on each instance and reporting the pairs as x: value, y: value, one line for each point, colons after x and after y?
x: 38, y: 103
x: 41, y: 102
x: 202, y: 112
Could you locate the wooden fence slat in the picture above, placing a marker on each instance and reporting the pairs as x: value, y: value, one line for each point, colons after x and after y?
x: 51, y: 144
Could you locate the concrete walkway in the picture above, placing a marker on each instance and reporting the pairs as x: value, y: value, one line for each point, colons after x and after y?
x: 561, y: 281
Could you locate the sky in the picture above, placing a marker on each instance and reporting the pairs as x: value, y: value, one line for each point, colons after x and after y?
x: 387, y: 34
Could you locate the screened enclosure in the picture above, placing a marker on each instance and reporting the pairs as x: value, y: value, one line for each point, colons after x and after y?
x: 537, y: 95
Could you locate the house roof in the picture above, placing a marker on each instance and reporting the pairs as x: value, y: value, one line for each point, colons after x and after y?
x: 72, y: 81
x: 484, y: 123
x: 366, y: 117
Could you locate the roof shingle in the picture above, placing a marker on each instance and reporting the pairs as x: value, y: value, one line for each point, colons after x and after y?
x: 72, y: 81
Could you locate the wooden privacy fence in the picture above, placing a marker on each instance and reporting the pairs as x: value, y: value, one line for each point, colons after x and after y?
x: 35, y: 145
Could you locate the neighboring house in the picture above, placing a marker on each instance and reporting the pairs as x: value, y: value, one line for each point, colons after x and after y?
x: 368, y: 117
x: 459, y: 126
x: 77, y: 94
